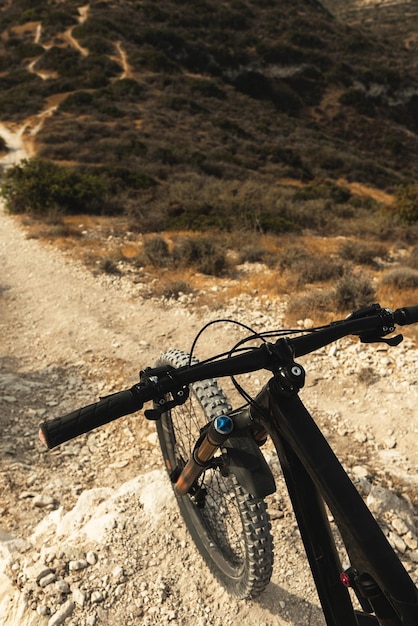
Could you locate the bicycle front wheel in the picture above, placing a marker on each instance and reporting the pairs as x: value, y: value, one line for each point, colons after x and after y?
x: 230, y: 527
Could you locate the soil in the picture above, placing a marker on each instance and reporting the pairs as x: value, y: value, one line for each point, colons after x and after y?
x: 70, y: 335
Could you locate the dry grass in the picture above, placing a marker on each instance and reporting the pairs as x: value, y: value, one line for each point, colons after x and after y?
x: 394, y: 297
x: 102, y: 242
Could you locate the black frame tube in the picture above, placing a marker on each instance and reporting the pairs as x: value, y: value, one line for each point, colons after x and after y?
x: 313, y: 473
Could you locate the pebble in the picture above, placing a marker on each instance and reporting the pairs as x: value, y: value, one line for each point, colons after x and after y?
x: 41, y: 501
x: 42, y: 609
x: 360, y: 472
x: 62, y: 586
x: 96, y: 597
x: 75, y: 566
x: 79, y: 596
x: 91, y: 558
x: 61, y: 615
x: 390, y: 443
x: 399, y: 526
x: 37, y: 571
x: 47, y: 580
x: 397, y: 542
x: 118, y: 572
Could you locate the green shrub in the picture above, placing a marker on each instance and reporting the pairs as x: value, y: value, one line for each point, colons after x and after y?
x: 206, y: 88
x: 358, y: 99
x: 310, y: 304
x: 109, y: 266
x: 405, y: 205
x: 401, y: 278
x: 306, y: 39
x: 33, y: 14
x: 57, y: 20
x: 367, y: 376
x: 99, y: 45
x: 119, y: 177
x: 412, y: 261
x: 172, y: 288
x: 79, y: 102
x: 280, y: 154
x: 291, y: 256
x: 278, y: 52
x: 302, y: 267
x: 152, y: 60
x: 353, y: 291
x: 362, y: 252
x: 93, y: 29
x: 29, y: 50
x: 20, y: 94
x: 327, y: 190
x: 315, y: 270
x: 155, y: 251
x: 253, y: 253
x: 127, y: 89
x: 37, y: 186
x: 273, y: 222
x: 62, y: 151
x: 65, y: 61
x: 202, y: 253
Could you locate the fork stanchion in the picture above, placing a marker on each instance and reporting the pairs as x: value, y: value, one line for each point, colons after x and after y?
x: 218, y: 432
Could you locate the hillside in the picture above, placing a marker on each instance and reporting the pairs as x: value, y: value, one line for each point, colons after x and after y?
x: 394, y: 20
x: 167, y: 103
x: 270, y: 124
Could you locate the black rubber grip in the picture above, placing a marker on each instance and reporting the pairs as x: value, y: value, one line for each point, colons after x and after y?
x: 89, y: 417
x: 407, y: 315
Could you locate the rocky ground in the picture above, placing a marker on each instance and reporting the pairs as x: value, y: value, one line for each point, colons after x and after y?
x: 91, y: 534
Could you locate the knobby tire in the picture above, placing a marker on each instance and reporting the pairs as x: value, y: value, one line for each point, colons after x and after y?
x: 229, y: 526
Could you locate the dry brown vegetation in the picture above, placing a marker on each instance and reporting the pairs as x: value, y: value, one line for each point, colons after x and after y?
x: 263, y: 146
x: 319, y: 276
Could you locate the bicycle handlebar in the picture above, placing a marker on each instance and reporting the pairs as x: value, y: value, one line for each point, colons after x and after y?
x: 406, y: 315
x: 371, y: 322
x: 87, y: 418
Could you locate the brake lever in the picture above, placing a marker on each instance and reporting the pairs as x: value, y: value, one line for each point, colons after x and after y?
x: 179, y: 397
x: 157, y: 377
x: 371, y: 338
x: 386, y: 317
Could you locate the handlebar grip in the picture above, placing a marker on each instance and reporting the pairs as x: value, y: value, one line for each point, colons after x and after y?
x: 406, y: 315
x: 87, y: 418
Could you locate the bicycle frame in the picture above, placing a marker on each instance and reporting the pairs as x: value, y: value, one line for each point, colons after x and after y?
x: 312, y: 472
x: 313, y: 475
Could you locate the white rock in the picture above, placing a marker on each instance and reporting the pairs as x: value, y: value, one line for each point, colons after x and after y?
x: 61, y: 615
x: 96, y: 597
x: 47, y: 580
x: 41, y: 501
x: 79, y: 596
x: 91, y: 557
x: 37, y: 571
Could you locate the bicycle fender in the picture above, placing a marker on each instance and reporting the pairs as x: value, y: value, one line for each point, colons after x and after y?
x: 246, y: 461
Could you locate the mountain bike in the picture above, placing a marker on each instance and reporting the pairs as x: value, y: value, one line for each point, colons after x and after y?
x: 213, y: 454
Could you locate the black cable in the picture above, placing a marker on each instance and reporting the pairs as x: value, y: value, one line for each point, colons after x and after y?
x: 218, y: 321
x: 263, y: 336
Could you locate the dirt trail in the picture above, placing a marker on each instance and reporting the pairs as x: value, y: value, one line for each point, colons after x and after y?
x: 56, y: 316
x: 67, y: 313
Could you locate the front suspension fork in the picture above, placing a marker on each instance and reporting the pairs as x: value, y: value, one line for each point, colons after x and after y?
x: 217, y: 433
